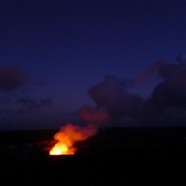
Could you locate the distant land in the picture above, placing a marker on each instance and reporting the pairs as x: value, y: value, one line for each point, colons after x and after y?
x: 114, y: 156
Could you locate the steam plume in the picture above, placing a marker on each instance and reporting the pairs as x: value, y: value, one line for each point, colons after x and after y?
x: 111, y: 94
x: 113, y: 100
x: 94, y: 115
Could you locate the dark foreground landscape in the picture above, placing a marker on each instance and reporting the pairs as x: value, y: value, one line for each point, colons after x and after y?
x: 115, y: 156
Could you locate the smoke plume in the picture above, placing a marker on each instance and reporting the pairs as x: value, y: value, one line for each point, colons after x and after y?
x: 94, y: 115
x: 114, y: 97
x: 168, y: 98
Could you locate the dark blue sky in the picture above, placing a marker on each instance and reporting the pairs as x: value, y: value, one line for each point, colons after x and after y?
x: 65, y: 47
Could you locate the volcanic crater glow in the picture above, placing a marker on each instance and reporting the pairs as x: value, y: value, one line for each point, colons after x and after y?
x: 67, y: 136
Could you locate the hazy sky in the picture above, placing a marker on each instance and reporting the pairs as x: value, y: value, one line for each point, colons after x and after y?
x: 52, y: 52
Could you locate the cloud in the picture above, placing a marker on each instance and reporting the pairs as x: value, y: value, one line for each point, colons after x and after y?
x: 167, y: 104
x: 172, y: 91
x: 29, y: 104
x: 6, y: 111
x: 25, y: 105
x: 18, y: 90
x: 11, y: 78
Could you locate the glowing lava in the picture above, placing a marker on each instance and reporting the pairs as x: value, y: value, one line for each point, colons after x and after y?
x: 67, y: 136
x: 60, y: 148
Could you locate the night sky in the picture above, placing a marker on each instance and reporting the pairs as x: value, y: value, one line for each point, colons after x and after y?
x: 97, y: 58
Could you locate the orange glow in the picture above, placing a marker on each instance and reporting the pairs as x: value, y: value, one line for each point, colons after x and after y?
x: 67, y: 136
x: 60, y: 148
